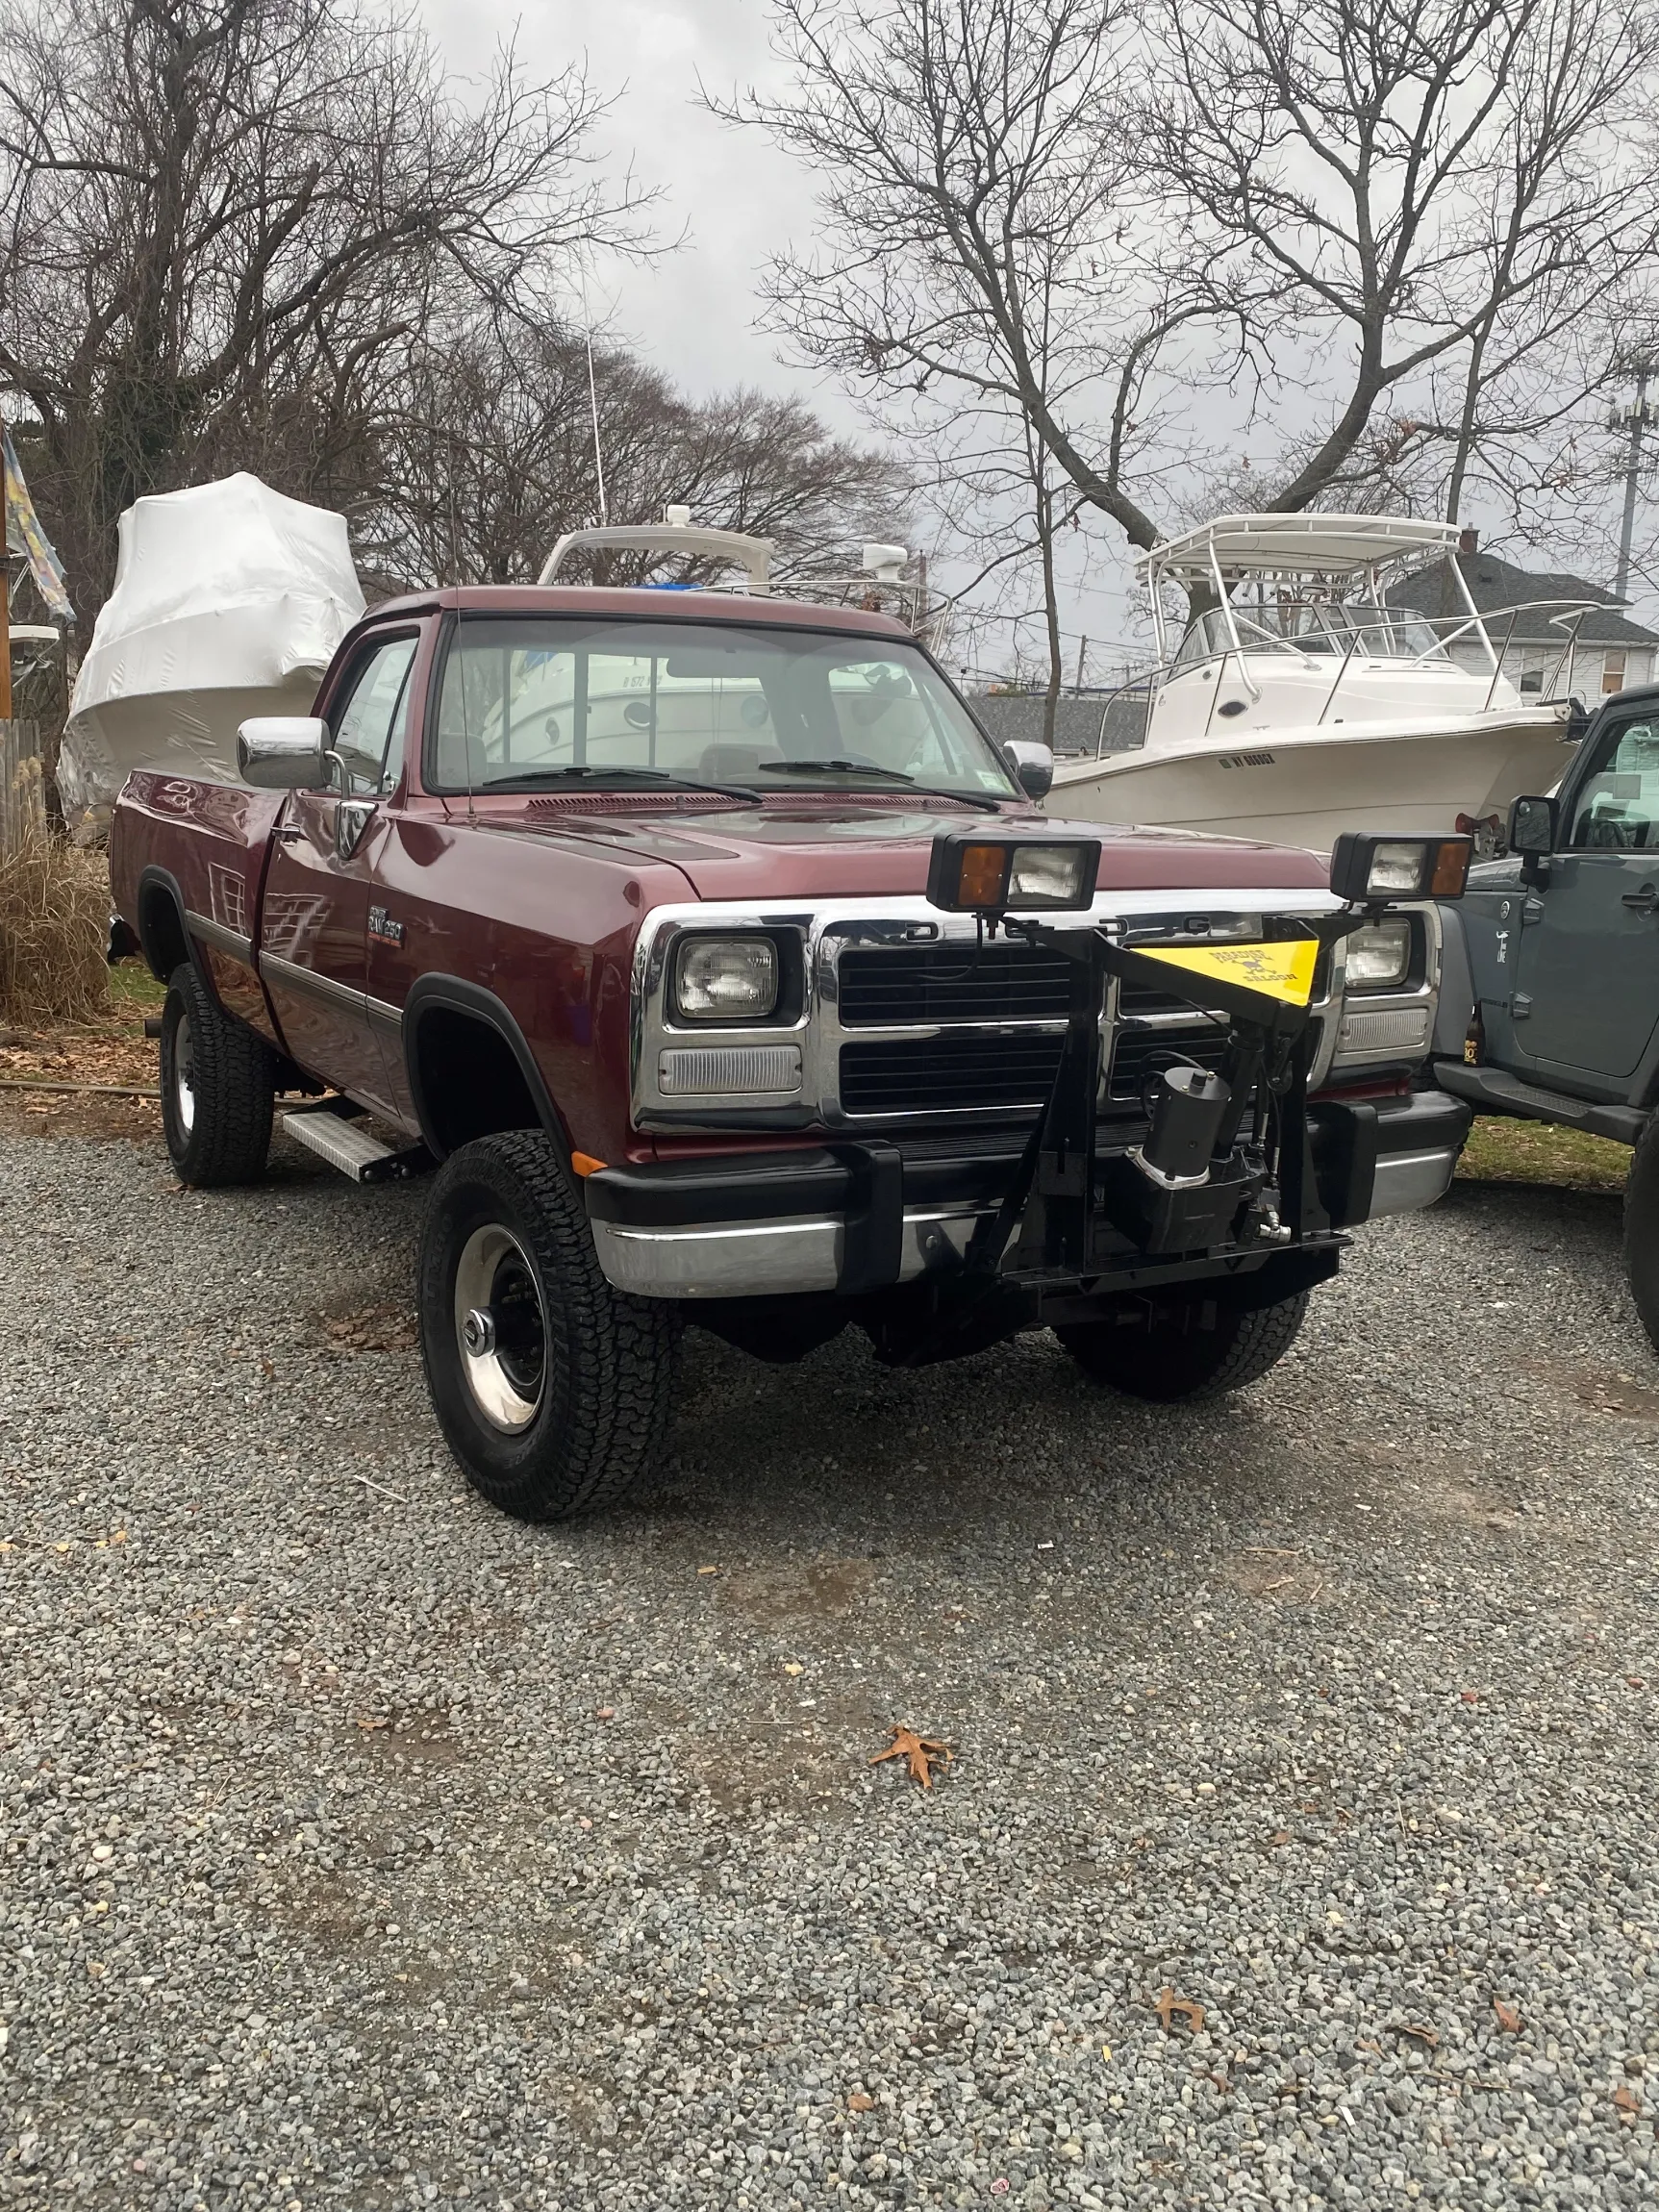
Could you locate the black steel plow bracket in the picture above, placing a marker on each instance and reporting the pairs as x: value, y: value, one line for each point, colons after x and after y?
x: 1061, y: 1217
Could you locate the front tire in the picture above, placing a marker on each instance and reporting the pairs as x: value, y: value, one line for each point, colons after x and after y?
x: 218, y: 1088
x: 552, y: 1390
x: 1198, y: 1349
x: 1642, y: 1228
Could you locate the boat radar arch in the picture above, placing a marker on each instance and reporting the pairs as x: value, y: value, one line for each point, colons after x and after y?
x: 676, y: 533
x: 1312, y: 543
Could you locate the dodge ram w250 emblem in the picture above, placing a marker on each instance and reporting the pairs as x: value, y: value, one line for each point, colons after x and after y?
x: 382, y: 925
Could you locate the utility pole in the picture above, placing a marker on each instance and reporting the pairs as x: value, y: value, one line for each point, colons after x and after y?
x: 1081, y: 656
x: 1635, y: 419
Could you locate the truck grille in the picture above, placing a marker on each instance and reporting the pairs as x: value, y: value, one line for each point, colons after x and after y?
x: 947, y: 1074
x: 1142, y: 1052
x: 953, y: 982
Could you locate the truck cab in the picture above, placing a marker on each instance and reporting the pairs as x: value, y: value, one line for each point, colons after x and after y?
x: 1551, y: 1006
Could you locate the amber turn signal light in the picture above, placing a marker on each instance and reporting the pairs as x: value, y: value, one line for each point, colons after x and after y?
x: 973, y: 874
x: 1368, y: 869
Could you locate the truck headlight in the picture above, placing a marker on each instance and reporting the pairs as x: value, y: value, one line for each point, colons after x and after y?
x: 1379, y: 957
x: 726, y: 979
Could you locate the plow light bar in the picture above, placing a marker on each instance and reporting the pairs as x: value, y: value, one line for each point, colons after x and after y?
x: 1368, y: 869
x: 973, y: 874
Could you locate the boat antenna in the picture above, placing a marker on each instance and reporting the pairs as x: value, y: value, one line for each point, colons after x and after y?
x: 594, y: 404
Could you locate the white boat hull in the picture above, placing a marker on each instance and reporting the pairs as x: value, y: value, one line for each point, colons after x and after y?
x: 1306, y: 787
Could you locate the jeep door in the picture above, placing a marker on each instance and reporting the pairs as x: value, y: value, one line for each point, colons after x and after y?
x: 313, y: 920
x: 1587, y: 977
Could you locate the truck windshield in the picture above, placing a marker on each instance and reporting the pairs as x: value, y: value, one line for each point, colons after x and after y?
x: 525, y: 699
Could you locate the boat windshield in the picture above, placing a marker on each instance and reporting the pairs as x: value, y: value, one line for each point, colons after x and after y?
x: 533, y: 700
x: 1302, y: 622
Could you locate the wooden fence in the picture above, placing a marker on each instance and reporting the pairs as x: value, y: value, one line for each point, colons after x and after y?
x: 22, y: 784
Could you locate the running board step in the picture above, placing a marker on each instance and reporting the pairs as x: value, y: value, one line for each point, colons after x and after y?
x: 1509, y: 1095
x: 350, y: 1148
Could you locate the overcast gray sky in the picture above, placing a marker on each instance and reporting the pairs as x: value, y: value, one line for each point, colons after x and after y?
x: 694, y: 313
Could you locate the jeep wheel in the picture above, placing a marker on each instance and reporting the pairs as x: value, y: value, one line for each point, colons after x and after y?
x: 218, y: 1083
x: 552, y: 1390
x: 1196, y: 1351
x: 1642, y: 1228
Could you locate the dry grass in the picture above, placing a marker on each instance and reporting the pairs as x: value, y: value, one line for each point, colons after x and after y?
x: 53, y: 914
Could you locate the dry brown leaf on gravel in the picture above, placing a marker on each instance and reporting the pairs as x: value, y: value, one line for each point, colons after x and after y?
x: 1419, y: 2034
x: 1628, y: 2103
x: 921, y: 1753
x: 372, y: 1330
x: 1508, y: 2015
x: 1169, y: 2005
x: 858, y: 2102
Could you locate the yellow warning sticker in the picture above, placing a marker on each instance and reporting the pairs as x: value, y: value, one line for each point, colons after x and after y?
x: 1276, y: 970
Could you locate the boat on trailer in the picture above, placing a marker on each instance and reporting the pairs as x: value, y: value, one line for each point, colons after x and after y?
x: 1303, y: 699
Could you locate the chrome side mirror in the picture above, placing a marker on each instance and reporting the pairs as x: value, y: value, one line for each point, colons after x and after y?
x: 283, y: 752
x: 1033, y: 765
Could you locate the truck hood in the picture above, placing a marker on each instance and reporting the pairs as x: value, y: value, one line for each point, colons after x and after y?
x: 845, y: 851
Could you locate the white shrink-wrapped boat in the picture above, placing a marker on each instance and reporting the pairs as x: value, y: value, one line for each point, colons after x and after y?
x: 1304, y: 701
x: 229, y: 601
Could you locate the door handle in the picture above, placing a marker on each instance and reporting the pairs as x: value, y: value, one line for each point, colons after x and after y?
x: 1642, y: 901
x: 288, y: 833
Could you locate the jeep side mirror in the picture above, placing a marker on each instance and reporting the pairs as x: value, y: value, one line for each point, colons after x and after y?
x: 1532, y: 827
x: 283, y: 752
x: 1033, y: 765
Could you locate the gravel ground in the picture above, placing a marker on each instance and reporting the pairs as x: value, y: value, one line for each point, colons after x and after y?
x: 363, y: 1848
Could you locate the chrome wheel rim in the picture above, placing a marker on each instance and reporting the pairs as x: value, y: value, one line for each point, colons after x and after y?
x: 183, y: 1075
x: 500, y: 1329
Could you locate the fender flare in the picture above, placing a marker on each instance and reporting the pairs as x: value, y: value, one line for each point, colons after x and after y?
x: 155, y: 878
x: 455, y: 996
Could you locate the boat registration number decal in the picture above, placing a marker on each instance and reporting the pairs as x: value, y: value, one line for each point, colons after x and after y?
x: 1245, y: 760
x: 1282, y: 972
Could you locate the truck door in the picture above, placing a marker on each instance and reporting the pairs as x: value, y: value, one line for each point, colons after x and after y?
x: 1587, y: 975
x: 313, y: 924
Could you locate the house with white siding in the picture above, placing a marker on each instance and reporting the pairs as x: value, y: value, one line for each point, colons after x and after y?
x: 1525, y: 612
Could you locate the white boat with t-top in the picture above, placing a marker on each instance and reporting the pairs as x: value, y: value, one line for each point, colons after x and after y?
x: 1302, y: 701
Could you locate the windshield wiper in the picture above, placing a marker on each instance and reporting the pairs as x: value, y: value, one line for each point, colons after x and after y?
x: 583, y: 773
x: 981, y: 799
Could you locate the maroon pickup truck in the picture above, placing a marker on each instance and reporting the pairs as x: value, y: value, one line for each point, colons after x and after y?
x: 721, y: 966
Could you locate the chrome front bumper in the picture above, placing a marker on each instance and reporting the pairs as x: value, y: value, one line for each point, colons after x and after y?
x: 776, y: 1225
x: 767, y: 1259
x: 1420, y: 1137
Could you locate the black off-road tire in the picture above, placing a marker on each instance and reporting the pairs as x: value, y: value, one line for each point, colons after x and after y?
x: 580, y: 1376
x: 1180, y: 1358
x: 218, y: 1085
x: 1642, y: 1228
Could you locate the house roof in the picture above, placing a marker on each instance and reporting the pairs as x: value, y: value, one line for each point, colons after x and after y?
x: 1494, y: 585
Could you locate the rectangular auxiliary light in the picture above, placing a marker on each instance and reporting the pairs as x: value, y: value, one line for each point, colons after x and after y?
x: 1368, y: 869
x: 975, y: 872
x: 729, y: 1070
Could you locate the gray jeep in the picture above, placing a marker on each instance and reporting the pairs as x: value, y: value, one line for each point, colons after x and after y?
x: 1549, y: 991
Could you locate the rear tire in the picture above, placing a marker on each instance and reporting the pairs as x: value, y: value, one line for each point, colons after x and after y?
x: 1174, y: 1355
x: 218, y: 1086
x: 552, y: 1390
x: 1642, y: 1228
